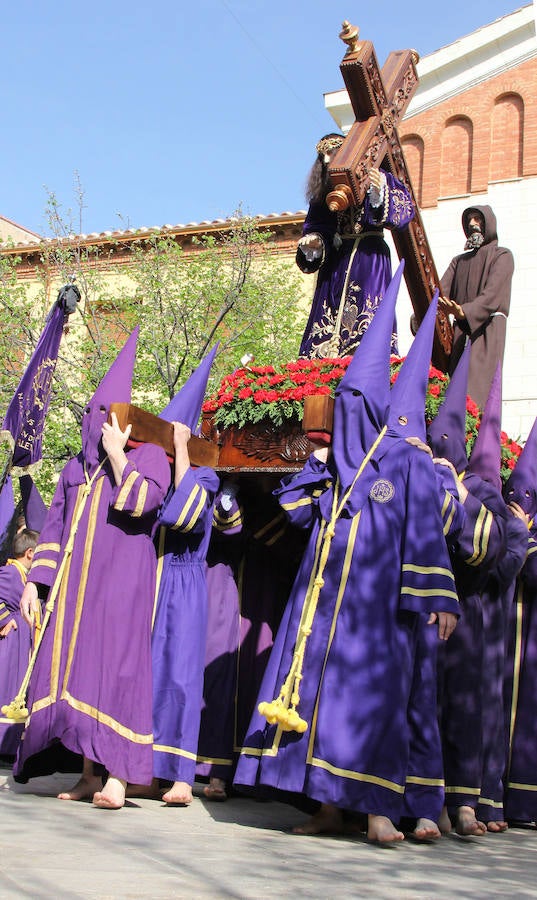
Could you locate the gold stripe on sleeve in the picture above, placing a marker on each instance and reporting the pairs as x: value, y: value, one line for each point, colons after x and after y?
x: 125, y: 490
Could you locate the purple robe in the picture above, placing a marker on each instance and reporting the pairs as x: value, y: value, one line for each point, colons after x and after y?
x: 425, y: 799
x: 387, y: 565
x: 521, y: 694
x: 354, y: 269
x: 216, y: 745
x: 91, y: 686
x: 469, y: 708
x: 180, y: 626
x: 251, y: 572
x: 14, y: 651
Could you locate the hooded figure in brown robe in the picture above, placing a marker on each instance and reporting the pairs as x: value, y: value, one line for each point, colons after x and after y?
x: 476, y: 289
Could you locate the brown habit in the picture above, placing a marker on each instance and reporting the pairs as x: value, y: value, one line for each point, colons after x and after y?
x: 480, y: 281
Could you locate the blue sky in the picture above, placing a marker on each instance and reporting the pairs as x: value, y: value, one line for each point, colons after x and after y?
x: 176, y: 112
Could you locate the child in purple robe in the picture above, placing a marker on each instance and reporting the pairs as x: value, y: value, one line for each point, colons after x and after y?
x: 90, y: 690
x: 349, y: 253
x: 15, y: 636
x: 180, y: 617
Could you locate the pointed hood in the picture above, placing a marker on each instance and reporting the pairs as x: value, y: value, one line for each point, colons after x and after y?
x: 7, y: 507
x: 363, y: 396
x: 186, y: 406
x: 447, y: 431
x: 521, y: 486
x: 485, y: 459
x: 34, y: 507
x: 115, y: 387
x: 407, y: 396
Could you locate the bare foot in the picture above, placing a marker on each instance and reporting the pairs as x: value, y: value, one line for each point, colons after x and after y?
x: 112, y: 795
x: 497, y: 827
x: 215, y: 790
x: 327, y: 820
x: 382, y: 830
x: 84, y: 789
x: 466, y: 822
x: 426, y: 830
x: 147, y: 791
x: 444, y: 822
x: 180, y: 792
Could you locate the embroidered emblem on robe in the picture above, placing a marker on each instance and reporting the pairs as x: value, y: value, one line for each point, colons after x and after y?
x: 382, y: 491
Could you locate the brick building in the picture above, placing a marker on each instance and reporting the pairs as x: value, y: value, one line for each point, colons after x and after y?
x: 470, y: 137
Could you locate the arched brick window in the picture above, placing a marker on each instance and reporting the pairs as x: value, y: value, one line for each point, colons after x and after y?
x: 507, y: 139
x: 457, y: 148
x: 413, y: 150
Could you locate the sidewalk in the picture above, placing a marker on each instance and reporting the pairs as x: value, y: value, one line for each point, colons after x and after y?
x: 239, y: 849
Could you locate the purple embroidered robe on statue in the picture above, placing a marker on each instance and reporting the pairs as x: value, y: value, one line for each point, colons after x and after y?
x: 14, y: 651
x: 91, y: 686
x: 180, y: 626
x: 387, y: 564
x: 354, y: 272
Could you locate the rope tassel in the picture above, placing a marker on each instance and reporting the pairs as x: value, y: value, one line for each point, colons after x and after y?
x: 283, y: 710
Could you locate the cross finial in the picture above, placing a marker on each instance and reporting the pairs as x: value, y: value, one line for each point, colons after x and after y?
x: 349, y: 35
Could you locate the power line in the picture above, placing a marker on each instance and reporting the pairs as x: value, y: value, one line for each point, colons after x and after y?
x: 261, y: 51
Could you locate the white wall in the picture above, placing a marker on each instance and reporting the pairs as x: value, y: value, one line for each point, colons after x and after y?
x: 514, y: 203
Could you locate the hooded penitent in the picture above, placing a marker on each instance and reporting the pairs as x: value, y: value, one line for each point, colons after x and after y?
x: 521, y: 487
x: 485, y: 458
x: 115, y: 387
x: 186, y: 406
x: 363, y: 395
x: 35, y: 510
x: 447, y: 432
x: 407, y: 396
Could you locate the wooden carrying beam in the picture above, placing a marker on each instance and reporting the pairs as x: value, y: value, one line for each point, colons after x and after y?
x: 150, y: 429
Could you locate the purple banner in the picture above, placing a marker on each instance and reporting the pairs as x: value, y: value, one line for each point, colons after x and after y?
x: 25, y: 417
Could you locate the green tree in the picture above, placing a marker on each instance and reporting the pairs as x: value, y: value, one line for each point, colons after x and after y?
x: 232, y: 288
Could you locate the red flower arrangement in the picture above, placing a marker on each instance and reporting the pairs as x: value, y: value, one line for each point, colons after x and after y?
x: 260, y: 393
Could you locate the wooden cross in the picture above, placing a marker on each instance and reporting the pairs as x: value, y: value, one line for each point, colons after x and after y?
x: 379, y: 100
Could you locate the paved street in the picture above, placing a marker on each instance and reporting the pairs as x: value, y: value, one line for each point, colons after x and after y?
x: 239, y: 849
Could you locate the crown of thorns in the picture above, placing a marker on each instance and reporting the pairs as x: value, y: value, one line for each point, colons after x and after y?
x: 326, y: 145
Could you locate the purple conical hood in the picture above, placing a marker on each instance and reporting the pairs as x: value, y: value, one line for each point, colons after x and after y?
x: 7, y: 506
x: 115, y: 387
x: 485, y: 459
x: 186, y: 406
x: 363, y: 395
x: 447, y: 431
x: 34, y: 507
x: 407, y: 396
x: 521, y: 487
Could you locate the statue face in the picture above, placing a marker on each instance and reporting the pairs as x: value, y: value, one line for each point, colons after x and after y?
x: 476, y: 223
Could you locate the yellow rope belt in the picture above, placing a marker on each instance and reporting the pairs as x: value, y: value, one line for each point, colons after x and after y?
x: 283, y: 710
